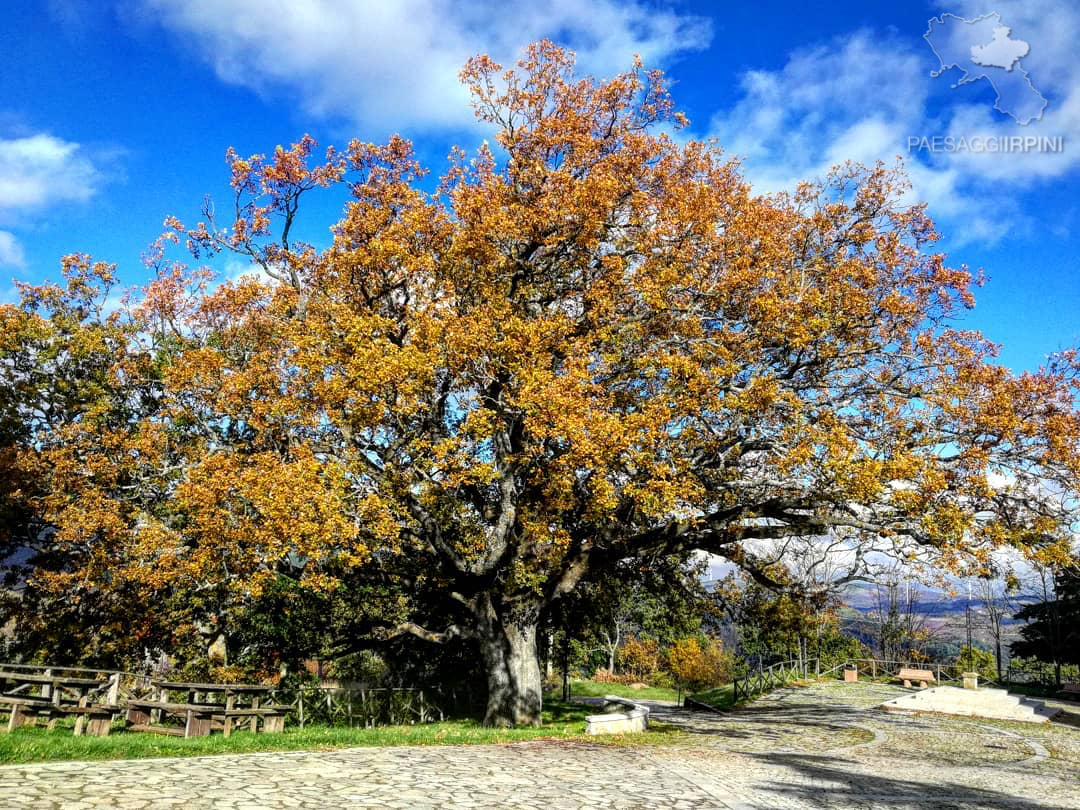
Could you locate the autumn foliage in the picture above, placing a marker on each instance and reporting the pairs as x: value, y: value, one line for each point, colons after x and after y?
x: 697, y: 664
x: 589, y: 341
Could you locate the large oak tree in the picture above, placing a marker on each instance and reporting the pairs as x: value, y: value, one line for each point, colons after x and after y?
x: 591, y: 342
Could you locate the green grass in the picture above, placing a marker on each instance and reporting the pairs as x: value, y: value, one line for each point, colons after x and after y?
x: 594, y: 689
x: 563, y: 721
x: 722, y: 697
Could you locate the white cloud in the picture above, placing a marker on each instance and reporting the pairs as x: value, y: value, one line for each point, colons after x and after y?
x: 41, y: 169
x: 847, y: 99
x: 861, y: 97
x: 11, y: 252
x: 37, y: 173
x: 394, y: 65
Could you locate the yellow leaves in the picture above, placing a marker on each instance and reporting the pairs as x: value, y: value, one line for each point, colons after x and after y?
x: 258, y: 509
x: 597, y: 325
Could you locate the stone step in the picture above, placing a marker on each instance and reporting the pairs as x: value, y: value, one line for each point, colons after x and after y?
x: 970, y: 698
x: 973, y: 705
x: 992, y: 703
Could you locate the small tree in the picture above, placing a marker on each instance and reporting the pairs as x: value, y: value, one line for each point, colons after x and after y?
x: 998, y: 602
x: 902, y: 629
x: 641, y: 658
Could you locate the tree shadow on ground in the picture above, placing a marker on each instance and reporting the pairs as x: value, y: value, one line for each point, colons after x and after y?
x: 756, y: 720
x: 1068, y: 717
x: 831, y: 781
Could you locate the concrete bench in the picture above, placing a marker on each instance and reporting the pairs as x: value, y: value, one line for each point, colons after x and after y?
x: 621, y: 716
x: 923, y: 676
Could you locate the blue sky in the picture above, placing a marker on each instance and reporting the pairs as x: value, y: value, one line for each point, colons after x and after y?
x: 116, y: 114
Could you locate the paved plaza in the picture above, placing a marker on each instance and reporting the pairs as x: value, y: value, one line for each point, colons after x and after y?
x: 824, y: 746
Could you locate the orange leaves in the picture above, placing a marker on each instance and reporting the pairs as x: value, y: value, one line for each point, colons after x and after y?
x: 588, y: 340
x: 286, y: 173
x: 244, y: 514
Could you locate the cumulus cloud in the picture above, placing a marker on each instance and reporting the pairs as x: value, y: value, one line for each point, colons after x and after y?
x: 11, y: 252
x: 37, y: 173
x: 845, y: 99
x: 394, y: 66
x: 854, y: 98
x: 39, y: 170
x: 861, y: 96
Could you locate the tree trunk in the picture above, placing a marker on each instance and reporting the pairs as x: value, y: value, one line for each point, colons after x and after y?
x: 508, y: 645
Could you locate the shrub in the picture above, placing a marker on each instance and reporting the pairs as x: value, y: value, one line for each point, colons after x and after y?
x: 603, y: 675
x: 972, y: 659
x: 641, y: 658
x: 699, y: 664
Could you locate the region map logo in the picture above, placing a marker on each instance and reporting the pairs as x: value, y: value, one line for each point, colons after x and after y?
x: 979, y: 49
x: 984, y: 49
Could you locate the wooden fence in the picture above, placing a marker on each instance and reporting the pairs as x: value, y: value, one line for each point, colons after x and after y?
x: 356, y: 707
x: 1041, y: 674
x: 765, y: 679
x: 875, y: 668
x: 338, y: 706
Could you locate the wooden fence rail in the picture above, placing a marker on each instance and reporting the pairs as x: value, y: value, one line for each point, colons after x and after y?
x: 875, y: 668
x: 351, y: 706
x: 765, y: 679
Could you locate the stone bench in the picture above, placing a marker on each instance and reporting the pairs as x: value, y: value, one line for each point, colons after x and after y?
x: 923, y: 676
x: 621, y: 716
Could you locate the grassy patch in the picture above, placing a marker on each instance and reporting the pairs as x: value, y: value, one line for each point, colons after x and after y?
x: 722, y: 697
x: 563, y: 721
x: 594, y: 689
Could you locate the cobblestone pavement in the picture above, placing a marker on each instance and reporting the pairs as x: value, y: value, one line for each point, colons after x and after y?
x: 825, y: 746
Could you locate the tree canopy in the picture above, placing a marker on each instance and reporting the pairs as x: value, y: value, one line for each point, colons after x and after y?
x: 1052, y: 629
x: 590, y: 342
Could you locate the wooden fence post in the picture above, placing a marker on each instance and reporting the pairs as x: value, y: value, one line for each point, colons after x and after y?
x: 112, y: 697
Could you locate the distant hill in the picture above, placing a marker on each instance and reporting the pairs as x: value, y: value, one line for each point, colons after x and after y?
x: 944, y: 614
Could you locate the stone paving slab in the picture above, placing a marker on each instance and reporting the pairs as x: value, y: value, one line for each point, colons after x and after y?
x: 848, y: 755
